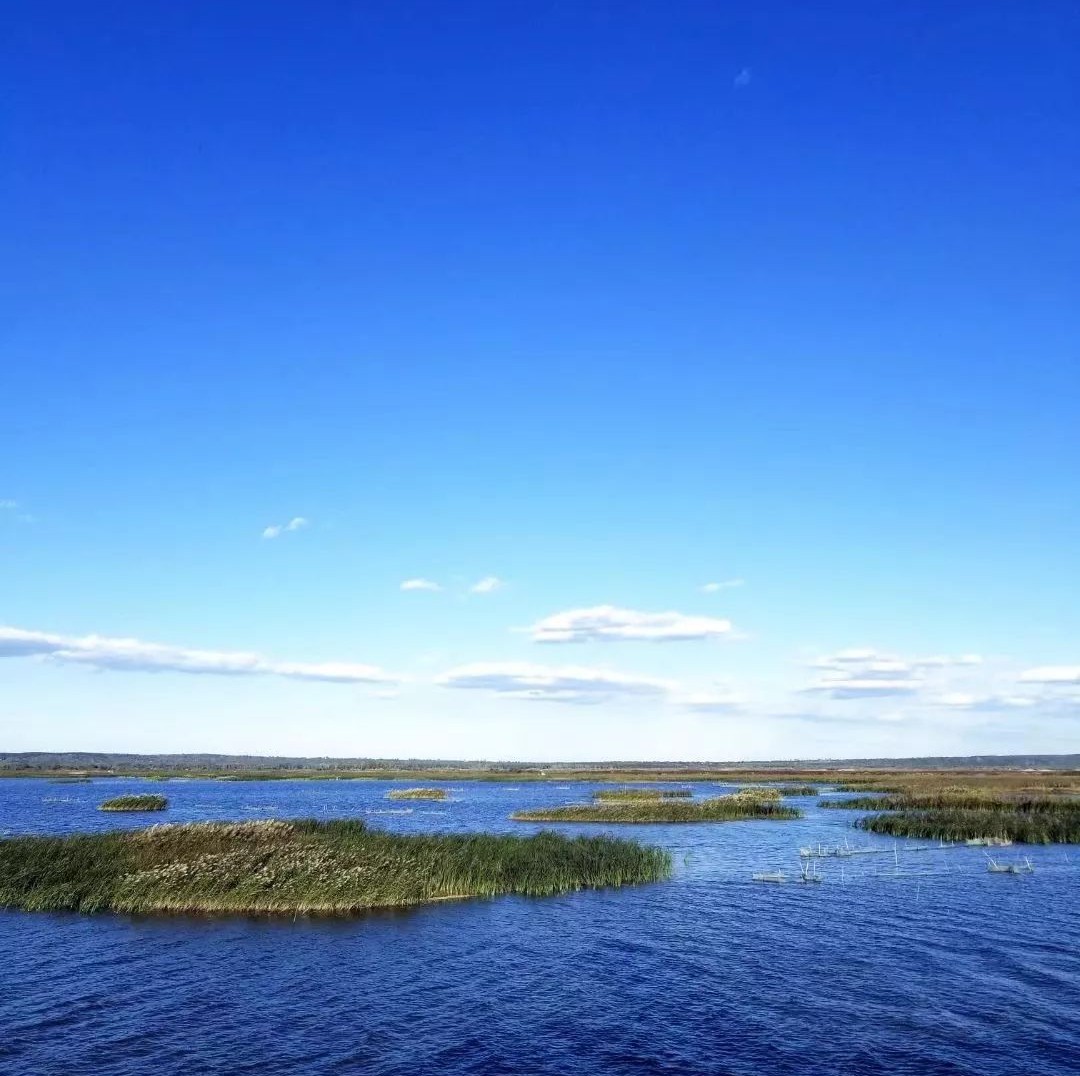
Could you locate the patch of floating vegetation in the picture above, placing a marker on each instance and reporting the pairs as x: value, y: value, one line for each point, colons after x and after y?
x: 1025, y: 827
x: 416, y: 794
x: 303, y: 867
x: 135, y: 803
x: 642, y: 794
x: 797, y: 790
x: 732, y: 808
x: 71, y: 781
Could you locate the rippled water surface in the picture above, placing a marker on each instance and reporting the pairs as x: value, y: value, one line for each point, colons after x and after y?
x: 901, y: 962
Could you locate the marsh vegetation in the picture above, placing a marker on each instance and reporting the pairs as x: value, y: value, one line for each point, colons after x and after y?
x: 642, y: 794
x: 135, y: 803
x: 416, y: 794
x: 958, y: 825
x: 303, y: 867
x: 735, y: 807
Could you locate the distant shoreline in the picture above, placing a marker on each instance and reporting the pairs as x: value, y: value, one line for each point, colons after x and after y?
x: 254, y: 767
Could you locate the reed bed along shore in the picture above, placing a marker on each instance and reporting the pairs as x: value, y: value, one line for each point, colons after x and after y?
x: 416, y: 794
x: 962, y: 799
x: 135, y: 803
x: 642, y: 794
x: 303, y: 867
x: 733, y: 808
x: 959, y: 825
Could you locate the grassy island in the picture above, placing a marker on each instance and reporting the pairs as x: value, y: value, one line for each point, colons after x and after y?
x: 1026, y: 827
x: 642, y: 794
x: 135, y: 803
x: 303, y: 867
x: 797, y: 790
x: 733, y: 808
x: 416, y: 794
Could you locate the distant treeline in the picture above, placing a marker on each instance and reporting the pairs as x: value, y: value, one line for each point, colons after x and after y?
x: 110, y: 762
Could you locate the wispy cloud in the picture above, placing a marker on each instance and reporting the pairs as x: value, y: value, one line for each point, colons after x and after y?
x: 713, y: 702
x: 487, y: 585
x: 134, y: 655
x: 420, y: 584
x: 959, y: 700
x: 611, y: 624
x: 742, y: 79
x: 1051, y: 674
x: 863, y: 672
x: 297, y: 523
x: 572, y: 684
x: 725, y: 584
x: 8, y: 505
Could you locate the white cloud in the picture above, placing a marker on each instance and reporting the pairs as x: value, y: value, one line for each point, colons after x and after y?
x: 959, y: 700
x: 606, y: 622
x: 863, y: 688
x: 1052, y: 674
x: 726, y: 584
x: 487, y: 585
x: 297, y: 523
x: 133, y: 655
x: 568, y: 683
x: 420, y: 584
x: 863, y: 672
x: 713, y: 702
x: 865, y: 655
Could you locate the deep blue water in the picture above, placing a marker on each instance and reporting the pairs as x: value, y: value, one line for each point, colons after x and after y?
x: 950, y: 970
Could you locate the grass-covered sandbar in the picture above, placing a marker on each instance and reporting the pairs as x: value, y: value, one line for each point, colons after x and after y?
x: 303, y: 867
x: 732, y: 808
x: 146, y: 802
x: 416, y: 794
x: 617, y: 794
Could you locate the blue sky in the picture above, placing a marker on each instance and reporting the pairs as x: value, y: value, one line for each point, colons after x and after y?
x: 606, y: 302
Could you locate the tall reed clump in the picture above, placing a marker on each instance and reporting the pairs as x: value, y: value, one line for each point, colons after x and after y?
x: 963, y: 800
x: 135, y: 803
x: 303, y: 867
x: 797, y: 790
x: 416, y: 794
x: 642, y: 794
x: 735, y: 807
x: 952, y: 824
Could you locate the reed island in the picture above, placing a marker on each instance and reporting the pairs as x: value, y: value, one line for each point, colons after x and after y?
x: 738, y: 806
x: 1020, y: 808
x: 416, y: 794
x: 303, y: 868
x: 135, y: 803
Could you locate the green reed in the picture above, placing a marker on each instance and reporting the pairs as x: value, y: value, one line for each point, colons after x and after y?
x: 642, y: 794
x: 953, y: 824
x: 304, y: 867
x: 735, y: 807
x: 135, y: 803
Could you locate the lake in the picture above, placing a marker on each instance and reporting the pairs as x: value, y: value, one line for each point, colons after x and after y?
x: 901, y: 962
